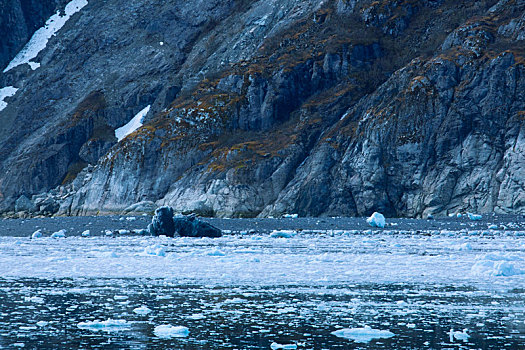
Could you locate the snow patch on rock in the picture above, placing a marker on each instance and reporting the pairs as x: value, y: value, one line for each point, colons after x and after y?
x: 39, y: 40
x: 132, y: 125
x: 7, y: 91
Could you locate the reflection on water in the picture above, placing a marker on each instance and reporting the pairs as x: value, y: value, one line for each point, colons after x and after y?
x: 254, y: 317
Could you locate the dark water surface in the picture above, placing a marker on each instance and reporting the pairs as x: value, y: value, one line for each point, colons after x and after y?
x: 253, y: 318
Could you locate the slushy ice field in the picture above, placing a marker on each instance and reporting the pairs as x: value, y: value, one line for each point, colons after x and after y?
x: 449, y: 286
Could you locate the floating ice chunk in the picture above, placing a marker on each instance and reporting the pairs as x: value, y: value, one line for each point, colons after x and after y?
x: 37, y: 300
x: 216, y: 252
x: 276, y: 346
x: 155, y: 249
x: 493, y: 227
x: 42, y: 323
x: 291, y: 216
x: 362, y: 335
x: 496, y: 265
x: 283, y: 234
x: 124, y: 232
x: 40, y: 38
x: 167, y: 331
x: 132, y: 125
x: 376, y: 220
x: 142, y: 311
x: 36, y: 234
x: 458, y: 215
x: 474, y: 217
x: 59, y: 234
x: 7, y: 91
x: 131, y: 218
x: 109, y: 325
x: 463, y: 336
x: 86, y: 233
x: 197, y: 317
x: 464, y: 246
x: 108, y: 233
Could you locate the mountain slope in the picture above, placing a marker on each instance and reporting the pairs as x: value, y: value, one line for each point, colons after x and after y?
x: 261, y: 108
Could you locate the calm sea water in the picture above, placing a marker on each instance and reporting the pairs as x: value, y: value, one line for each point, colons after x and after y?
x: 244, y: 317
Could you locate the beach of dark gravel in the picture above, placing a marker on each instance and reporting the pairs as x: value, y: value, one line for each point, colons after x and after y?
x: 98, y: 225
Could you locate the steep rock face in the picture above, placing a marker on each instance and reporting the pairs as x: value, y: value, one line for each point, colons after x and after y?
x: 261, y: 108
x: 19, y: 19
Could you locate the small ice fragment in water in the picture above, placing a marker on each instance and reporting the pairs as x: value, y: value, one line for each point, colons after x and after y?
x: 42, y: 323
x: 496, y: 265
x: 291, y: 216
x: 86, y: 233
x: 37, y: 300
x: 474, y: 217
x: 167, y: 331
x: 362, y: 335
x: 276, y: 346
x: 196, y: 317
x: 155, y: 249
x: 463, y: 336
x: 142, y: 311
x: 59, y: 234
x: 36, y: 234
x: 109, y: 325
x: 282, y: 234
x: 376, y: 220
x: 216, y: 252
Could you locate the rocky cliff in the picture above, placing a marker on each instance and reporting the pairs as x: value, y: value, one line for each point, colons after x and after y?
x: 266, y: 107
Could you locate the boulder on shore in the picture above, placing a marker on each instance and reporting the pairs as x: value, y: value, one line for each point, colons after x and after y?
x: 163, y: 223
x: 190, y: 226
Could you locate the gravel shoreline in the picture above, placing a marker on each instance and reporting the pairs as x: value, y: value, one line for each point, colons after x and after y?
x: 75, y: 225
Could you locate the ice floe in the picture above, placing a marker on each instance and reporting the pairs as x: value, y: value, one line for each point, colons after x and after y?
x: 59, y: 234
x: 376, y: 220
x: 110, y: 325
x: 458, y: 335
x: 142, y: 311
x: 167, y: 331
x: 283, y: 234
x: 36, y: 234
x: 277, y: 346
x: 362, y: 334
x: 474, y: 217
x: 155, y: 249
x: 496, y: 265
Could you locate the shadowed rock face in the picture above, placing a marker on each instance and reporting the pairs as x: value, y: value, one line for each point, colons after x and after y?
x: 19, y: 19
x: 261, y: 108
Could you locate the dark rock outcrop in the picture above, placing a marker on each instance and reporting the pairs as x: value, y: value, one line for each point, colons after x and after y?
x: 193, y: 227
x: 162, y: 223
